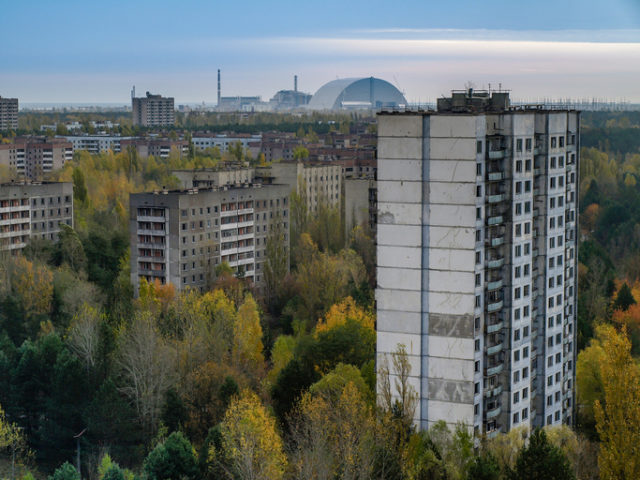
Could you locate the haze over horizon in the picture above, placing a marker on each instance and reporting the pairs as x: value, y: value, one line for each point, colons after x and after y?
x: 73, y: 51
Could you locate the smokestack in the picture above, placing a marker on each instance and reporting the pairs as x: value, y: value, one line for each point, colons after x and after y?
x: 218, y: 87
x: 295, y: 83
x: 133, y: 92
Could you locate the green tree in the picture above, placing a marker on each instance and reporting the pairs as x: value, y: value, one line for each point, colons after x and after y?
x: 540, y: 460
x: 624, y: 298
x: 65, y: 472
x: 484, y: 467
x: 172, y: 459
x: 79, y: 185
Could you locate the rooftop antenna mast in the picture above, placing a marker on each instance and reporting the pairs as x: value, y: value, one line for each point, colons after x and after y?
x: 219, y: 87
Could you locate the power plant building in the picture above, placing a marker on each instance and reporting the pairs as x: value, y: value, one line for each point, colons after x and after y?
x: 477, y: 259
x: 357, y: 94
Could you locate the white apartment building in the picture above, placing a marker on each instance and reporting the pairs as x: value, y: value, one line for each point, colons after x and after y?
x: 477, y: 259
x: 96, y: 143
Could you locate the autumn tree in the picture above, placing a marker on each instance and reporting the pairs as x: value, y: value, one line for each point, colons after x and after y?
x: 618, y: 417
x: 401, y: 400
x: 146, y: 367
x: 334, y: 435
x: 252, y: 447
x: 247, y: 347
x: 84, y: 335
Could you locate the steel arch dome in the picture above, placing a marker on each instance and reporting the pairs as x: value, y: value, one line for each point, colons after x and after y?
x: 356, y: 93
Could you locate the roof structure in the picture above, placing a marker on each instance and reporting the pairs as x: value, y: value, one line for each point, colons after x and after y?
x: 356, y: 93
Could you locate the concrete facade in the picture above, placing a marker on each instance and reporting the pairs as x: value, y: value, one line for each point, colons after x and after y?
x: 8, y: 114
x: 153, y: 111
x: 318, y: 183
x: 180, y: 236
x: 477, y: 270
x: 32, y: 157
x: 29, y: 210
x: 360, y: 202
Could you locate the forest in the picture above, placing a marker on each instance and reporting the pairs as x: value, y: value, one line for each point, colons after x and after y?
x: 228, y: 384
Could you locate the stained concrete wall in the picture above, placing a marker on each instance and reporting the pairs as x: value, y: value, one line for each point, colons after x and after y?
x: 426, y: 239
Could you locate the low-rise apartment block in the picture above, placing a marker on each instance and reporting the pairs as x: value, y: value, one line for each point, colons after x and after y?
x: 157, y: 147
x: 30, y: 210
x: 32, y: 157
x: 180, y: 236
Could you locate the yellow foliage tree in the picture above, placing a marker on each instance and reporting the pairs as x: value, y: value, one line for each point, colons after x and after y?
x: 33, y: 285
x: 247, y: 346
x: 618, y: 419
x: 589, y: 380
x: 251, y: 441
x: 340, y: 312
x: 281, y: 353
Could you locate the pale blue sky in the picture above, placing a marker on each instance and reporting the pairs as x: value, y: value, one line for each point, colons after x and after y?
x: 88, y: 51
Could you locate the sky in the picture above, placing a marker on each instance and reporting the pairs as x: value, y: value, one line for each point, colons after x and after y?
x: 94, y: 52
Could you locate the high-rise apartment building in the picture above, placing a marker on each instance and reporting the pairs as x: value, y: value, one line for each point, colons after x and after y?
x: 180, y: 236
x: 8, y: 113
x: 153, y: 111
x: 477, y: 259
x: 32, y: 157
x: 30, y: 210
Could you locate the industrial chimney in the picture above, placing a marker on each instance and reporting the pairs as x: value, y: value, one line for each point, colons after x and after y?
x: 295, y: 83
x: 218, y: 87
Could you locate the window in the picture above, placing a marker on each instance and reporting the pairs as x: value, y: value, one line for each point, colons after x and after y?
x: 518, y: 188
x: 553, y: 142
x: 518, y: 208
x: 519, y: 145
x: 527, y: 186
x: 479, y: 148
x: 516, y: 417
x: 518, y: 166
x: 517, y: 272
x: 477, y: 345
x: 527, y: 228
x: 552, y: 162
x: 561, y: 139
x: 478, y: 169
x: 516, y: 397
x: 527, y: 165
x: 516, y: 376
x: 516, y: 355
x: 527, y: 144
x: 479, y: 191
x: 525, y: 354
x: 518, y: 250
x: 518, y: 230
x: 478, y: 279
x: 527, y: 207
x: 516, y: 335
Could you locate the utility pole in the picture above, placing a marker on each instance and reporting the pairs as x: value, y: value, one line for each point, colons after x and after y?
x: 77, y: 437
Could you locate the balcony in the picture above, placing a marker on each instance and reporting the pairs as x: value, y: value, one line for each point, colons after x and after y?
x: 495, y: 263
x: 494, y: 285
x: 495, y: 220
x: 493, y: 433
x: 494, y: 413
x: 232, y: 213
x: 495, y: 370
x: 495, y: 306
x: 496, y: 198
x: 229, y: 226
x: 496, y: 154
x: 494, y: 349
x: 493, y: 392
x: 496, y: 327
x: 496, y: 241
x: 495, y: 176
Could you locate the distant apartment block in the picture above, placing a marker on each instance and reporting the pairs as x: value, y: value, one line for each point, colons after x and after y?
x: 32, y: 157
x: 153, y: 111
x: 96, y: 143
x: 360, y: 202
x: 215, y: 177
x: 477, y: 259
x: 8, y: 114
x: 180, y: 236
x: 319, y: 183
x: 29, y: 210
x: 249, y: 142
x: 157, y: 147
